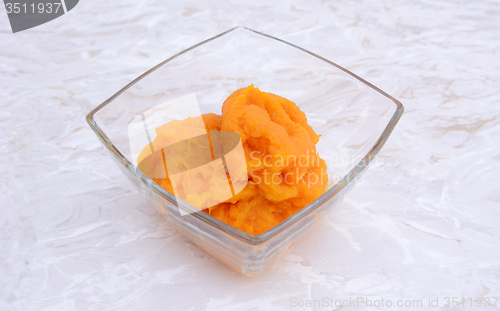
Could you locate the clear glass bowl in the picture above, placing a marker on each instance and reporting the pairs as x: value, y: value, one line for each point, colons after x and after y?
x: 354, y: 118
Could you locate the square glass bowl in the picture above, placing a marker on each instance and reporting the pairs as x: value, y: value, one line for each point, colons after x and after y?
x: 353, y: 117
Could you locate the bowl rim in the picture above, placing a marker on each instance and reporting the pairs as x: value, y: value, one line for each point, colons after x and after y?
x: 290, y: 221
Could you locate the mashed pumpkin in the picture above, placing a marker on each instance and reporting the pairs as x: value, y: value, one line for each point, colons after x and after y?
x: 284, y: 171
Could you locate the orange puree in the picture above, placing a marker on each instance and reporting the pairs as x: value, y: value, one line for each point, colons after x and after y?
x: 284, y: 171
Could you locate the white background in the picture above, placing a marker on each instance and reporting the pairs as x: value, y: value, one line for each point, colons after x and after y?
x: 75, y: 235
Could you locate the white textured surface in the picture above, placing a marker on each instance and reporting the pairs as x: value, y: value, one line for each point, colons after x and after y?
x: 423, y: 223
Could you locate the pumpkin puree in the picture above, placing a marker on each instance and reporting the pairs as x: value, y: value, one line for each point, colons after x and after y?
x: 285, y: 173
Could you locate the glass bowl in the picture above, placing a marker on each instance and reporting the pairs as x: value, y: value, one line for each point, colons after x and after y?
x: 353, y: 117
